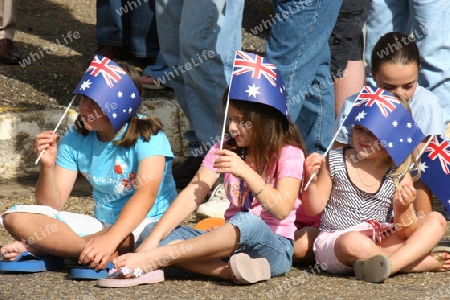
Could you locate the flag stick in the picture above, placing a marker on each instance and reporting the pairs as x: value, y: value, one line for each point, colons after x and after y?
x: 56, y: 128
x: 222, y: 136
x: 329, y: 146
x: 227, y: 105
x: 424, y: 147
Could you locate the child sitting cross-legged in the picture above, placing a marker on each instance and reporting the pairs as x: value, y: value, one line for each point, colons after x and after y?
x: 358, y: 190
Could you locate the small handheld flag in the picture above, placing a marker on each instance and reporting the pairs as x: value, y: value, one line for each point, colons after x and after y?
x: 435, y: 169
x: 109, y: 85
x: 384, y: 115
x: 255, y: 79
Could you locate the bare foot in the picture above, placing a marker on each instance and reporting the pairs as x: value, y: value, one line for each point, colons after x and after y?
x: 142, y: 260
x: 11, y: 251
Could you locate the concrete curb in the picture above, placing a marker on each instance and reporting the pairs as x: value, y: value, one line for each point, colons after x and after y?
x: 18, y: 128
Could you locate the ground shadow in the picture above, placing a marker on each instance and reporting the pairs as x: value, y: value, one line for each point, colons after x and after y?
x: 53, y: 73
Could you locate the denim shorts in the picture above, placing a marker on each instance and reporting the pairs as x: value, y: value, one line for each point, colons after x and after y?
x: 256, y: 239
x: 347, y: 38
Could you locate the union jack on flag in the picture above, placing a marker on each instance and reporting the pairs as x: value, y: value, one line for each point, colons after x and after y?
x: 110, y: 72
x: 244, y: 62
x: 435, y: 162
x: 439, y: 149
x: 383, y: 99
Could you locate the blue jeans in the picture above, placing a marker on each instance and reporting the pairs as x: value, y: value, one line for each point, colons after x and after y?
x: 429, y: 21
x: 128, y: 23
x: 158, y: 70
x: 256, y: 239
x: 298, y: 46
x: 198, y: 40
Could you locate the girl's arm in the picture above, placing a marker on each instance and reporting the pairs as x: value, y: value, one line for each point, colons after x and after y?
x: 278, y: 200
x: 187, y: 201
x: 405, y: 218
x: 54, y: 183
x: 149, y: 176
x: 315, y: 197
x: 424, y: 198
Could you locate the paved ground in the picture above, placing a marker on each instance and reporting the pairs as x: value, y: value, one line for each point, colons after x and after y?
x: 49, y: 80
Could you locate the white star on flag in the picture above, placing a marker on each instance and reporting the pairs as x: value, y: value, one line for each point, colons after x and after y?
x: 130, y: 110
x: 119, y: 94
x: 390, y: 145
x: 409, y: 125
x: 360, y: 116
x: 253, y: 90
x: 395, y: 123
x: 409, y: 140
x: 85, y: 85
x: 133, y: 96
x: 114, y: 115
x: 422, y: 167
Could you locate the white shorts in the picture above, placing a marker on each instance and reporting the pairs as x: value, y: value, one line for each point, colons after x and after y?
x: 324, y: 245
x: 81, y: 224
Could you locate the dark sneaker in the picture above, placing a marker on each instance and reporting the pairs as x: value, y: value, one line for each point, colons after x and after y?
x: 184, y: 172
x: 9, y: 54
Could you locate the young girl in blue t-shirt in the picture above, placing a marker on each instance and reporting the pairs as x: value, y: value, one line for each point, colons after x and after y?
x: 127, y: 160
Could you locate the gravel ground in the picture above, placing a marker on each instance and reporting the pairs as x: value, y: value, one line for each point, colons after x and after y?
x: 48, y: 82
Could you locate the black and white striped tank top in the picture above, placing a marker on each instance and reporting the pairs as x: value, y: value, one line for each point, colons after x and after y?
x: 348, y: 205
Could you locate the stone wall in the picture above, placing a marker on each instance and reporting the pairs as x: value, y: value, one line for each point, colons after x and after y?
x: 19, y: 127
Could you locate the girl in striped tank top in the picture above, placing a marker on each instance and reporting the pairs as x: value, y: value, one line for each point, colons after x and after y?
x: 357, y: 189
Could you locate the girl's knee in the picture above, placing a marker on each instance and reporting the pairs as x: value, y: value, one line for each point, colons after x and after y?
x: 351, y: 243
x: 436, y: 221
x: 9, y: 220
x: 250, y: 223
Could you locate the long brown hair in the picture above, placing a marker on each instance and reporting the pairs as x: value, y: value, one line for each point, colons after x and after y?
x: 145, y: 127
x: 271, y: 131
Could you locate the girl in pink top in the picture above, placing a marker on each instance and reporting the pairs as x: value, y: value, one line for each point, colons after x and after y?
x: 262, y: 162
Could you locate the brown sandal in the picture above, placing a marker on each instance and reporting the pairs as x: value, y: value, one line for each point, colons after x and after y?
x: 436, y: 253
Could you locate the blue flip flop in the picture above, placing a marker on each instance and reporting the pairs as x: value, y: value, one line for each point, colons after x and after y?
x: 29, y: 263
x: 85, y: 272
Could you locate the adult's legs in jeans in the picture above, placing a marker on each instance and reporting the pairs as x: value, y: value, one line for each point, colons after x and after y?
x: 141, y: 33
x: 109, y: 28
x: 207, y: 38
x: 298, y: 46
x: 158, y: 71
x: 122, y: 25
x: 430, y: 23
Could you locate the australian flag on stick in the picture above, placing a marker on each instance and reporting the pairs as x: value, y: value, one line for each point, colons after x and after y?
x: 255, y: 79
x: 435, y: 167
x: 385, y: 116
x: 109, y: 85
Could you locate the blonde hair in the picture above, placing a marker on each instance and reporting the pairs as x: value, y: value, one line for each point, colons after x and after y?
x: 411, y: 162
